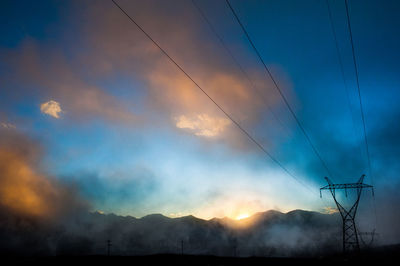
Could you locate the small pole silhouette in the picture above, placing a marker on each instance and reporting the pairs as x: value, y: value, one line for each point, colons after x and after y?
x: 108, y: 247
x: 234, y: 247
x: 181, y: 247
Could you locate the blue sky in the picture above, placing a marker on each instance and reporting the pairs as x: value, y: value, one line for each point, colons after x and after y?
x: 135, y: 136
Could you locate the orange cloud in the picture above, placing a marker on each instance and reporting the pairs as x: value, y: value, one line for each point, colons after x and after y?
x: 24, y: 190
x: 51, y: 108
x: 21, y: 189
x: 118, y: 46
x: 203, y: 124
x: 330, y: 210
x: 110, y: 45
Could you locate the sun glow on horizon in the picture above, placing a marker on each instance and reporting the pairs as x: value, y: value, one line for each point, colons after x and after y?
x: 242, y: 216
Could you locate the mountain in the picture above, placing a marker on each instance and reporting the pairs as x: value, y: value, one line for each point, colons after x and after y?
x: 270, y: 233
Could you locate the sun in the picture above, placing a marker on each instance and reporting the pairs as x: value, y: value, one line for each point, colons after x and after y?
x: 242, y: 216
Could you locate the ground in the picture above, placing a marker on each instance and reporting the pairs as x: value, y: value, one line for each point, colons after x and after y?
x: 387, y: 256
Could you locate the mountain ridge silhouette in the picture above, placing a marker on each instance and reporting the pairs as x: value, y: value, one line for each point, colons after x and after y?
x: 269, y: 233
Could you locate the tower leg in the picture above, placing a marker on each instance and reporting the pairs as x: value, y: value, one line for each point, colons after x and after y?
x: 350, y: 238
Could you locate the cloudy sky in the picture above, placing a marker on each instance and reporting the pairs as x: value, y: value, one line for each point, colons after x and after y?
x: 114, y: 118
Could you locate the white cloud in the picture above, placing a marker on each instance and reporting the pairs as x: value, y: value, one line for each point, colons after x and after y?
x: 7, y: 125
x: 51, y: 108
x: 203, y: 124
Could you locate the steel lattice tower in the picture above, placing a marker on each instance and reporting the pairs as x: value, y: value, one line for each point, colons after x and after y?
x: 350, y: 235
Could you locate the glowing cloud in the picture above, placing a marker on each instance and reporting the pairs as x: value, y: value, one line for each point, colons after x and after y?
x: 330, y: 210
x: 51, y: 108
x: 24, y: 189
x: 20, y: 192
x: 203, y: 124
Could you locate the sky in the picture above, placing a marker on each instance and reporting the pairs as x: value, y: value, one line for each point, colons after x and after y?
x: 87, y: 101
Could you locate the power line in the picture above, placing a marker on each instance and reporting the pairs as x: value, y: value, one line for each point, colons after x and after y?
x: 279, y: 90
x: 223, y: 44
x: 342, y: 70
x: 361, y: 105
x: 209, y: 97
x: 358, y: 89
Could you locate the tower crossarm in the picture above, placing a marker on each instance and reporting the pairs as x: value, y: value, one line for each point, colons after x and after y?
x: 346, y: 186
x: 359, y: 186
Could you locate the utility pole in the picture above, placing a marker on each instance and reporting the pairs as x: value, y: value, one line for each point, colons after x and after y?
x: 234, y: 246
x: 350, y: 235
x: 181, y: 247
x: 108, y: 247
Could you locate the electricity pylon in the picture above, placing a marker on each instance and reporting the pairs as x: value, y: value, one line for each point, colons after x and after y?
x: 371, y: 240
x: 350, y: 235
